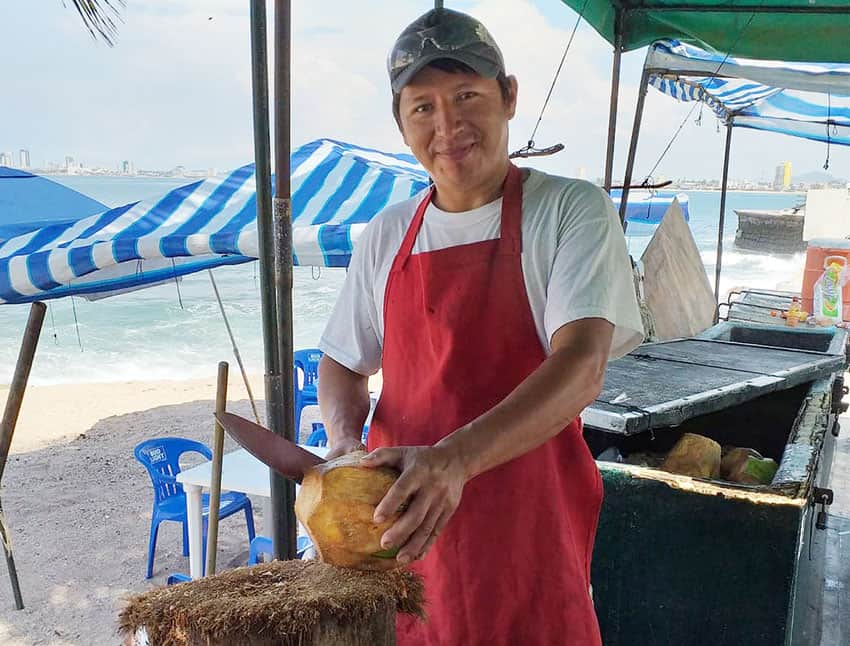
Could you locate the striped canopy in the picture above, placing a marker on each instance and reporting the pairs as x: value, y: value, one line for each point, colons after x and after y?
x: 337, y: 188
x: 808, y: 100
x: 30, y: 201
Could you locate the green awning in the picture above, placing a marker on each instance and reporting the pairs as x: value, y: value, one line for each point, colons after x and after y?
x: 786, y: 30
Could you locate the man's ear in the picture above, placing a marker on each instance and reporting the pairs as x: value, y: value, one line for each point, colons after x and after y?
x: 514, y: 84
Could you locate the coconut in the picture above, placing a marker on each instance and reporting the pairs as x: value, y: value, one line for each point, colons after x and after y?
x: 336, y: 504
x: 694, y: 455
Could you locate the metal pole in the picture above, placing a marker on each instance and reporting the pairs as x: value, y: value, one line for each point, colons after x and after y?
x: 630, y: 162
x: 275, y: 406
x: 284, y: 523
x: 10, y: 419
x: 215, y: 479
x: 615, y: 95
x: 720, y: 224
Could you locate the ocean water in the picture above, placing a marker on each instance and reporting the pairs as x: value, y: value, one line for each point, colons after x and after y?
x: 171, y: 331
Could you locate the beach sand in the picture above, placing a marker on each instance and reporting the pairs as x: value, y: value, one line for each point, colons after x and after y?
x: 78, y: 505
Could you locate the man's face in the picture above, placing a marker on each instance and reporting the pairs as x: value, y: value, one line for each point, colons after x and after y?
x: 456, y: 125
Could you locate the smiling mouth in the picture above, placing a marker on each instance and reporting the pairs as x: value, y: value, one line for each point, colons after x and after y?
x: 457, y: 153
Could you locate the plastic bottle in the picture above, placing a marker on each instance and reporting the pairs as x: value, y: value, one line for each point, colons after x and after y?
x: 827, y: 291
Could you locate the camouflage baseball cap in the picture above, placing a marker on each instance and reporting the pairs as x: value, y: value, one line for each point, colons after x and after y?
x: 443, y: 33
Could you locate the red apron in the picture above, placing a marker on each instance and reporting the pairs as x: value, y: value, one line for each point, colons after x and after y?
x: 513, y: 564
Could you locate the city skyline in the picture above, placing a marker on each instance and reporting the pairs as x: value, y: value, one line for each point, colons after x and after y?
x: 155, y: 101
x: 782, y: 179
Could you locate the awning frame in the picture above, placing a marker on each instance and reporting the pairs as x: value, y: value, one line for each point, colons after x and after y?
x: 624, y: 13
x: 702, y: 69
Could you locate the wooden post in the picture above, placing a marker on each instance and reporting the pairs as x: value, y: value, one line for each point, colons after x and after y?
x: 10, y: 419
x: 215, y: 480
x: 282, y: 603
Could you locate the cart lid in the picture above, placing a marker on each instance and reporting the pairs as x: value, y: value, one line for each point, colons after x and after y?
x: 663, y: 384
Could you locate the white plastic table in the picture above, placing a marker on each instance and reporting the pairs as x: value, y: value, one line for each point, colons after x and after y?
x: 240, y: 471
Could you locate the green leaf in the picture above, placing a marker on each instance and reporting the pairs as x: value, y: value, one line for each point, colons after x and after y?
x: 386, y: 554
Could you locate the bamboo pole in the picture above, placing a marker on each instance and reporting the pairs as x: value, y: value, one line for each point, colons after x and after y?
x: 284, y: 524
x: 215, y: 479
x: 271, y: 290
x: 10, y: 419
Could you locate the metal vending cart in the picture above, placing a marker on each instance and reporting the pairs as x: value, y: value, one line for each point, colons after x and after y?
x: 687, y: 561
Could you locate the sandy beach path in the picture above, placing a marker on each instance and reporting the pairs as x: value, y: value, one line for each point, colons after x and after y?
x: 78, y: 504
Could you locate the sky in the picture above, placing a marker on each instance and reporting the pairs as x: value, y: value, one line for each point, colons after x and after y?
x: 176, y: 89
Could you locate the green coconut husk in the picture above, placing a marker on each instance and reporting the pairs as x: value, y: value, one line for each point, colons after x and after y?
x: 282, y: 602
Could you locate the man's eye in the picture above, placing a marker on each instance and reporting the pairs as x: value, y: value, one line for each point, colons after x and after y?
x: 465, y: 96
x: 424, y: 107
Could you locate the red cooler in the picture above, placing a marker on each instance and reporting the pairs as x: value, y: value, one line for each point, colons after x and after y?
x: 817, y: 251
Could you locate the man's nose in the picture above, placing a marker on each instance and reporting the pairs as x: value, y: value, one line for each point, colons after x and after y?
x: 447, y: 118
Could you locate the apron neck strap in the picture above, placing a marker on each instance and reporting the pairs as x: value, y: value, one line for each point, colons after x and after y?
x: 510, y: 241
x: 510, y: 236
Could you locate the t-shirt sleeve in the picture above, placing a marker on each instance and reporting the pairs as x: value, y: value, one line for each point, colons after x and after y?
x: 592, y: 274
x: 351, y: 334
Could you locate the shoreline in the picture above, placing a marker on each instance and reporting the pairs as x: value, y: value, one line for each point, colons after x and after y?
x: 64, y: 412
x: 739, y: 190
x: 59, y: 413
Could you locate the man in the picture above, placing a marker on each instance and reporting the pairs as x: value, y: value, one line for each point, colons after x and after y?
x: 491, y: 303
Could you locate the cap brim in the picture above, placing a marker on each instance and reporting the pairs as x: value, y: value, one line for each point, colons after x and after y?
x: 482, y: 66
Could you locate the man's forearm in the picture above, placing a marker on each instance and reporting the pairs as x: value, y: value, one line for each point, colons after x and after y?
x: 343, y: 401
x: 540, y: 407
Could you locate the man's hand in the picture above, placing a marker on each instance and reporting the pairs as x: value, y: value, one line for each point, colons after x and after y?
x: 343, y: 446
x: 429, y: 488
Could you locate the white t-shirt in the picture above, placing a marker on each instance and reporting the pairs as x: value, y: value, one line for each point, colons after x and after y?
x: 574, y: 262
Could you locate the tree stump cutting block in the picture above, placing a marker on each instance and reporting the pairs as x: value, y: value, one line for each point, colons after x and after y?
x: 283, y: 603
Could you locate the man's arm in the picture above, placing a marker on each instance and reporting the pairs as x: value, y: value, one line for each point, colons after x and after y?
x: 539, y: 408
x: 543, y: 404
x: 343, y: 404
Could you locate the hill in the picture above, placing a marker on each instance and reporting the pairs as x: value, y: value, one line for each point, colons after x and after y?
x: 817, y: 177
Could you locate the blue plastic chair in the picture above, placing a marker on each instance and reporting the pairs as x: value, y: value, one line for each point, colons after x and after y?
x: 319, y: 436
x: 161, y: 458
x: 263, y: 545
x: 306, y: 389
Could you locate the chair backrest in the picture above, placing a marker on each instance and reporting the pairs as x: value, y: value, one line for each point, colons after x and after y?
x: 307, y: 361
x: 161, y: 458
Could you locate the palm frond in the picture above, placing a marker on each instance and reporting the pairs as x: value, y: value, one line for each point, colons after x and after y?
x: 99, y: 17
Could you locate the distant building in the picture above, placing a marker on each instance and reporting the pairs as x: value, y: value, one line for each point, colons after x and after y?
x: 6, y: 159
x: 127, y: 168
x: 25, y: 157
x: 782, y: 177
x: 581, y: 172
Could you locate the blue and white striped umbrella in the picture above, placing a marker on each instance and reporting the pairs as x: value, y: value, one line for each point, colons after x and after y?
x: 336, y: 189
x: 808, y: 100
